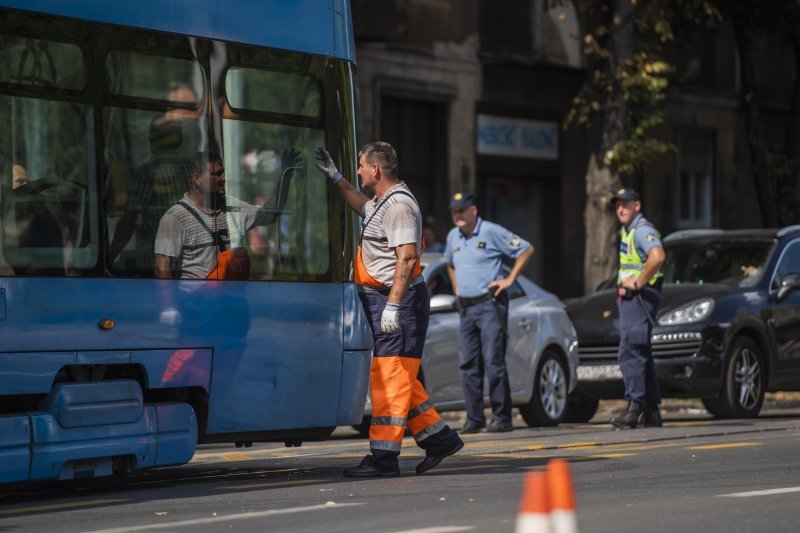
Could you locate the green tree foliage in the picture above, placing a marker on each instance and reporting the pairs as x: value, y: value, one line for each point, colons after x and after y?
x: 637, y: 83
x: 621, y: 102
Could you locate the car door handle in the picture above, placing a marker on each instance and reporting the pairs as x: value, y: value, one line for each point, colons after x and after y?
x: 525, y: 323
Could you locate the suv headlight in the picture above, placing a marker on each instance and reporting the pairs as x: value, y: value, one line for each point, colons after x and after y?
x: 688, y: 314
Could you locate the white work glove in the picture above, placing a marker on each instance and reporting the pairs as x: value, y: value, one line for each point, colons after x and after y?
x: 390, y: 319
x: 327, y: 166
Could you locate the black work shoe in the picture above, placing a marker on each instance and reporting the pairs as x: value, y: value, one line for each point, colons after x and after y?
x: 433, y: 460
x: 369, y: 468
x: 470, y: 427
x: 498, y: 427
x: 652, y: 418
x: 633, y: 416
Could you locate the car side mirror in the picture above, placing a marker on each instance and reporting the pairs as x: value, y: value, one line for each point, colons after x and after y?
x: 443, y: 302
x: 789, y: 283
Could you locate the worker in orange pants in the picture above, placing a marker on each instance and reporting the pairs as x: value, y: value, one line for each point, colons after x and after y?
x: 396, y: 301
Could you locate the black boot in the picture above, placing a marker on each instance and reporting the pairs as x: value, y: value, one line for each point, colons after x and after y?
x: 652, y: 417
x: 633, y: 416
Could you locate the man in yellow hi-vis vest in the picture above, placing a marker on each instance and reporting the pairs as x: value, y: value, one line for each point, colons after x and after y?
x: 639, y: 286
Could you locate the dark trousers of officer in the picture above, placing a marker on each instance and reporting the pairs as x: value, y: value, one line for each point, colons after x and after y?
x: 482, y: 349
x: 635, y: 352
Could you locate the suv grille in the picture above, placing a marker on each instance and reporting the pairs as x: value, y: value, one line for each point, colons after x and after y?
x: 665, y: 346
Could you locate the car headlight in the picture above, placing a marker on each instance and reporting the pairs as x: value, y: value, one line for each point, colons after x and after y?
x: 688, y: 314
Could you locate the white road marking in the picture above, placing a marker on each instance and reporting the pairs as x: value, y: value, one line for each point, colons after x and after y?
x: 215, y: 519
x: 767, y: 492
x: 443, y: 529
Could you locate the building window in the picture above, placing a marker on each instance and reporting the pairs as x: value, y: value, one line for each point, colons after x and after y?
x: 695, y: 178
x: 506, y: 30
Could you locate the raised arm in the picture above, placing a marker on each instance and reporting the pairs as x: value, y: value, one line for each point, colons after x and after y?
x: 353, y: 197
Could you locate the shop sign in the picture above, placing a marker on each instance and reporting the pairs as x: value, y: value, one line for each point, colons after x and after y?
x: 515, y: 137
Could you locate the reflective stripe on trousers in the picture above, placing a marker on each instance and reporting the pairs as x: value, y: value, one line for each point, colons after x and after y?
x: 398, y: 398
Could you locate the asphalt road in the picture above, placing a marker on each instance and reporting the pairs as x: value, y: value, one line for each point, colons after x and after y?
x: 694, y: 474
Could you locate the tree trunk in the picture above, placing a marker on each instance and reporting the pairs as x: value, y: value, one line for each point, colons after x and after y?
x: 765, y: 188
x: 609, y: 126
x: 600, y: 250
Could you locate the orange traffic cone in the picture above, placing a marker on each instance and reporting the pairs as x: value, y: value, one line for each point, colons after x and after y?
x: 534, y: 509
x: 562, y: 497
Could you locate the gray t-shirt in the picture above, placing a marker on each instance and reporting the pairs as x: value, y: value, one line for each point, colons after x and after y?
x: 182, y: 236
x: 397, y: 221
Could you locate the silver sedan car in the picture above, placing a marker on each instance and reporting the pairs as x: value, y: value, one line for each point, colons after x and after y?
x: 541, y: 355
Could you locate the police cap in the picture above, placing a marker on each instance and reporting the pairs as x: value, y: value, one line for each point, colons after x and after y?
x: 462, y: 200
x: 626, y: 194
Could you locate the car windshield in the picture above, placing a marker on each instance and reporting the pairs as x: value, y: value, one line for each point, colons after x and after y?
x: 737, y: 263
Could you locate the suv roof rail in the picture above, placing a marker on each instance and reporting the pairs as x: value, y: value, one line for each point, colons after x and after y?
x: 788, y: 229
x: 692, y: 233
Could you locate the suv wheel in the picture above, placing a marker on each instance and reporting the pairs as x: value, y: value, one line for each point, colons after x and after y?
x: 743, y: 383
x: 549, y: 400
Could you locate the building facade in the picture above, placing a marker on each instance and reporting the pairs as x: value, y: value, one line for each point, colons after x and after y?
x: 474, y: 95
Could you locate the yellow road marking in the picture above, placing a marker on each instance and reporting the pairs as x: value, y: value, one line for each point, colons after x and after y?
x: 719, y: 446
x: 643, y: 448
x: 473, y: 467
x: 579, y: 445
x: 55, y: 506
x: 271, y: 484
x: 236, y: 456
x: 510, y: 456
x: 691, y: 423
x: 477, y: 443
x: 605, y: 456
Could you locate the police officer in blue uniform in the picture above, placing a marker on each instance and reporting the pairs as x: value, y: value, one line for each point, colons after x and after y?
x: 474, y: 252
x: 639, y: 286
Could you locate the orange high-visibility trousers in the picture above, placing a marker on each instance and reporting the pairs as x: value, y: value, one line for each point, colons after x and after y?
x: 398, y: 398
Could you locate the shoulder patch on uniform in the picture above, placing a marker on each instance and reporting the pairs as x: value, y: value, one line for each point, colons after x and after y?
x: 650, y: 237
x: 515, y: 242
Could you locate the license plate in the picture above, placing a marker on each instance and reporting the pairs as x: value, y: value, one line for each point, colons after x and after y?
x: 599, y: 373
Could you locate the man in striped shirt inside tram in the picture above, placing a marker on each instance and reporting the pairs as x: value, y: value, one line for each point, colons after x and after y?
x: 397, y: 305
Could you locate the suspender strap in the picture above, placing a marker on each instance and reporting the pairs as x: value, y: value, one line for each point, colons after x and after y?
x: 380, y: 204
x: 214, y: 235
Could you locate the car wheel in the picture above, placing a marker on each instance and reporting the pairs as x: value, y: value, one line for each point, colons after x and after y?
x: 549, y: 400
x: 744, y: 380
x: 714, y: 407
x: 580, y: 410
x: 363, y: 427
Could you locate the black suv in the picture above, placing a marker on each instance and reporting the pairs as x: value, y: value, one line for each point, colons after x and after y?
x: 728, y: 329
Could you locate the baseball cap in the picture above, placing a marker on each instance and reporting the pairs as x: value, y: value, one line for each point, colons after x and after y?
x: 462, y: 200
x: 626, y: 194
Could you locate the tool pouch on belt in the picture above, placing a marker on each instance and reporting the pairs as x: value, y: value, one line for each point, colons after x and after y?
x: 231, y: 264
x: 625, y: 293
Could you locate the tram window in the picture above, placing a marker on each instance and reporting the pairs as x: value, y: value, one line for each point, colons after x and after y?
x: 273, y: 92
x: 50, y: 223
x: 155, y: 77
x: 40, y: 62
x: 273, y: 165
x: 147, y: 151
